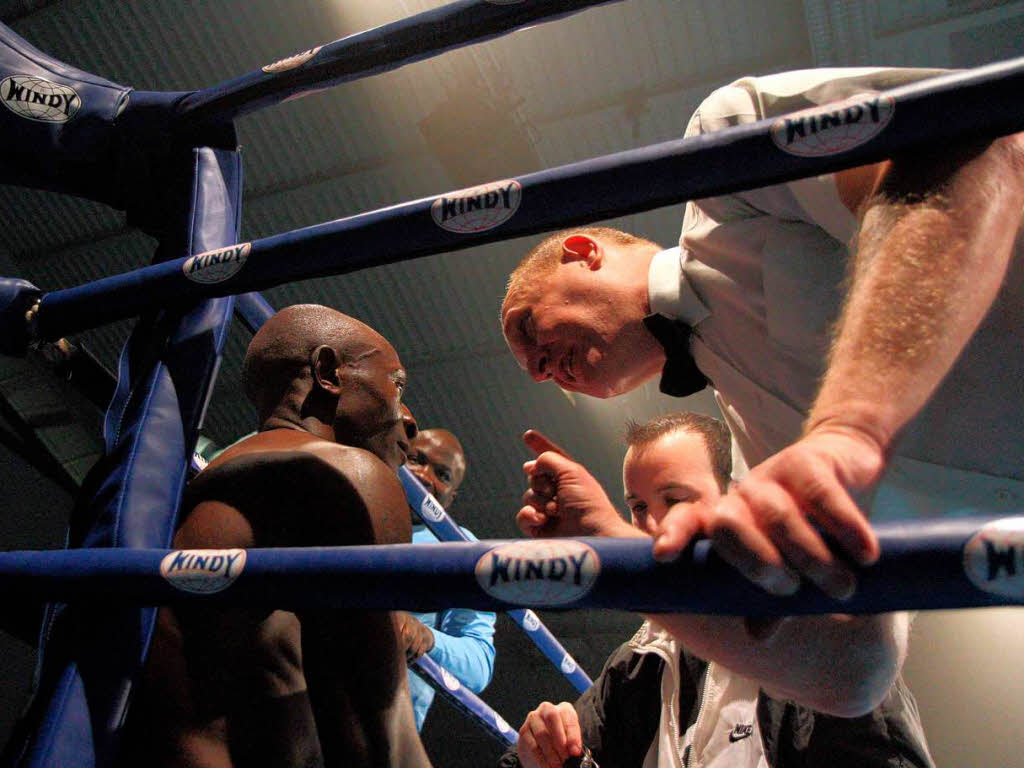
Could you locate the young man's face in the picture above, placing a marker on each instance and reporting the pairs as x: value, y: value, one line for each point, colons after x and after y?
x: 370, y: 407
x: 674, y: 469
x: 437, y: 461
x: 576, y: 329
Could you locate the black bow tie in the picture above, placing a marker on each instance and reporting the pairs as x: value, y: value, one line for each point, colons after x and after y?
x: 680, y: 376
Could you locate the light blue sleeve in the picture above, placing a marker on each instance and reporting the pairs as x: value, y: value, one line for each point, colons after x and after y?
x: 464, y: 644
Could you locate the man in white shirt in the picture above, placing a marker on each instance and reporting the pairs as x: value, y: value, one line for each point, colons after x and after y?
x: 919, y: 386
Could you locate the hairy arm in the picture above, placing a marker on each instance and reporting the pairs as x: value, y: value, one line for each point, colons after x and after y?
x: 935, y: 241
x: 934, y: 245
x: 836, y: 664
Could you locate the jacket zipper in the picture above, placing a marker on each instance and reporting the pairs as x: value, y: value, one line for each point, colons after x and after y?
x: 702, y: 712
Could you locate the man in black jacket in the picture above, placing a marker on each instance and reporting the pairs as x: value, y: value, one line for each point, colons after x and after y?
x: 716, y: 691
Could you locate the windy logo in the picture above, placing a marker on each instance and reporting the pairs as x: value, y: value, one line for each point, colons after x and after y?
x: 479, y: 208
x: 538, y: 572
x: 35, y: 98
x: 217, y: 265
x: 450, y: 681
x: 430, y: 509
x: 202, y: 571
x: 502, y: 725
x: 833, y: 128
x: 531, y: 621
x: 994, y: 557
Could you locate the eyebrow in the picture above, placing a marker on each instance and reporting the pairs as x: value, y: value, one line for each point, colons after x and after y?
x: 667, y: 487
x: 676, y: 487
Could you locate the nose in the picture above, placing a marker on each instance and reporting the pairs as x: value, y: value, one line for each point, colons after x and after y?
x: 409, y: 423
x: 540, y: 367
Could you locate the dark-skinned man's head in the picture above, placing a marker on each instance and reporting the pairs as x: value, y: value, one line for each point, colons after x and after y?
x: 312, y: 367
x: 438, y: 461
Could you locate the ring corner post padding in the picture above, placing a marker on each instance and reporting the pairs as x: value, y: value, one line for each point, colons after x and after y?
x: 16, y: 297
x: 90, y: 661
x: 62, y: 122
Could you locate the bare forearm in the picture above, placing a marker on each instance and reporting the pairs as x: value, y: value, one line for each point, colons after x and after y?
x: 933, y: 250
x: 838, y: 664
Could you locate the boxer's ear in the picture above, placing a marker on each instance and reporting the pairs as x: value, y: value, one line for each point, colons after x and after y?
x: 581, y: 248
x: 323, y: 362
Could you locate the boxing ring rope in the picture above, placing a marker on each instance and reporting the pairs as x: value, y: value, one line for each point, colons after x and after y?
x: 960, y: 563
x: 444, y: 528
x: 464, y: 700
x: 956, y: 107
x: 371, y: 52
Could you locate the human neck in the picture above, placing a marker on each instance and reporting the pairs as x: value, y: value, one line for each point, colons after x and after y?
x: 288, y: 420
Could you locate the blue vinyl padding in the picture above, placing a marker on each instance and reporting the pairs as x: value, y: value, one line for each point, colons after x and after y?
x: 971, y: 104
x: 90, y: 659
x: 381, y: 49
x: 923, y: 566
x: 463, y: 699
x: 16, y: 297
x: 70, y: 146
x: 441, y: 524
x: 74, y: 132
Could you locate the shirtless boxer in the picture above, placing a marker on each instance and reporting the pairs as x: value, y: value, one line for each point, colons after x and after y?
x: 249, y: 687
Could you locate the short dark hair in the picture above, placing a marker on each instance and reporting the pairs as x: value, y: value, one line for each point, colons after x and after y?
x: 716, y: 436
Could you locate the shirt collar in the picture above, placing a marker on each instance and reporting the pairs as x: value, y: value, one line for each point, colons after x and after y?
x: 668, y: 291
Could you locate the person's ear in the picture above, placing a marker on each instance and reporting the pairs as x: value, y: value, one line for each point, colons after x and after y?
x: 582, y: 248
x: 324, y: 363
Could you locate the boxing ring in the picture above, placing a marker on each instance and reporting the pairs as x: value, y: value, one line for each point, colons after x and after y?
x: 170, y: 161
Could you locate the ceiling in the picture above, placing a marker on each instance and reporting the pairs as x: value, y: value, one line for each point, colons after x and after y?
x: 607, y: 79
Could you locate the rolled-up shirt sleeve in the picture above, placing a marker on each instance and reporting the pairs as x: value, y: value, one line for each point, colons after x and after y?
x: 464, y: 645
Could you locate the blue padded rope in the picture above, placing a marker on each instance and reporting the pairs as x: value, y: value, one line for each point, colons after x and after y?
x: 441, y: 525
x: 254, y: 310
x: 464, y: 700
x: 959, y: 563
x: 972, y: 105
x: 381, y: 49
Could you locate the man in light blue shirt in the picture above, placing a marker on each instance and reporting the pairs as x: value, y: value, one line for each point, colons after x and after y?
x: 460, y: 640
